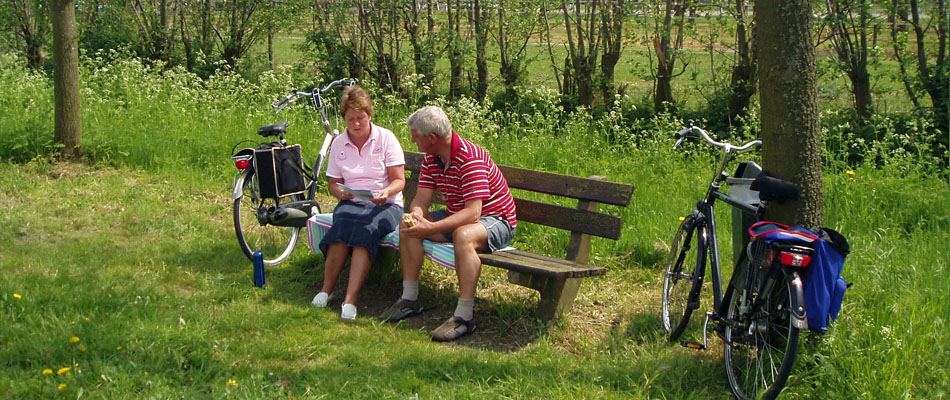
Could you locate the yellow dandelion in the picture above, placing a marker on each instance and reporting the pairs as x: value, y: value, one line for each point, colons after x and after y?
x: 47, y: 372
x: 17, y: 296
x: 76, y: 365
x: 82, y: 348
x: 117, y: 348
x: 61, y: 386
x: 849, y: 172
x: 87, y: 319
x: 682, y: 219
x: 232, y: 383
x: 62, y: 370
x: 74, y: 339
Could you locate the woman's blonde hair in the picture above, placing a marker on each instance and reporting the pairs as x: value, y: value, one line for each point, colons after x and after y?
x: 356, y: 98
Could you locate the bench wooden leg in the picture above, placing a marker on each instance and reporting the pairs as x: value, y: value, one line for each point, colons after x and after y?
x: 557, y: 296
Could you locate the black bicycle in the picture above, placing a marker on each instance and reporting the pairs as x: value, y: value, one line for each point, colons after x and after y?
x: 270, y: 209
x: 759, y: 315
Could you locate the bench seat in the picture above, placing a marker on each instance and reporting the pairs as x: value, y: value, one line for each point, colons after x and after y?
x: 556, y: 279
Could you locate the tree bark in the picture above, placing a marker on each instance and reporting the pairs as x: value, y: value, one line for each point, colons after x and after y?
x: 584, y: 44
x: 30, y: 25
x: 743, y: 80
x: 612, y: 34
x: 481, y: 43
x: 667, y: 42
x: 791, y: 130
x: 454, y: 10
x: 68, y: 126
x: 848, y: 37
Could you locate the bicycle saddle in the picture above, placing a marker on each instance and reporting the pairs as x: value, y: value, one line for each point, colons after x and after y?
x: 773, y: 189
x: 277, y: 129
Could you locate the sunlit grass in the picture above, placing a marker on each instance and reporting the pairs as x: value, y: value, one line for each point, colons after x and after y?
x: 133, y: 254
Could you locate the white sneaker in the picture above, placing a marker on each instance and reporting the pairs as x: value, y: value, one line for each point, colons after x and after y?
x: 349, y: 312
x: 320, y: 300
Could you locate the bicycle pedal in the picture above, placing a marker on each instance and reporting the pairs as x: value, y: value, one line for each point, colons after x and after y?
x: 693, y: 345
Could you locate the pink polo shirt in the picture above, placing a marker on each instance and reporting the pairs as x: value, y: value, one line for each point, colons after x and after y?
x: 366, y: 169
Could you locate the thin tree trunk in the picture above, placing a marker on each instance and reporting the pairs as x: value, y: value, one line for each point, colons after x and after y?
x: 742, y: 82
x: 612, y: 23
x: 481, y: 42
x: 454, y: 10
x: 68, y: 126
x: 791, y: 130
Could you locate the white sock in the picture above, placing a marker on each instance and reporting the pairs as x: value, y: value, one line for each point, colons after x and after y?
x: 320, y: 300
x: 465, y: 309
x: 349, y: 311
x: 410, y: 290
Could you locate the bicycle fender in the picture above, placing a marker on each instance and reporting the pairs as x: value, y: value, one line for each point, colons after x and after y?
x: 797, y: 288
x: 239, y: 185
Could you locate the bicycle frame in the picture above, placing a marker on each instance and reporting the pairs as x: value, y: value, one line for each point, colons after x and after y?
x: 761, y: 311
x: 705, y: 209
x: 316, y: 97
x: 274, y: 224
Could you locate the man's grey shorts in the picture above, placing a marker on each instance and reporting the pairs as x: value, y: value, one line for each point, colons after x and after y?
x: 499, y: 232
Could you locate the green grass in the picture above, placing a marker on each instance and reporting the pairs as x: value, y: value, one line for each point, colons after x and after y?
x: 133, y: 253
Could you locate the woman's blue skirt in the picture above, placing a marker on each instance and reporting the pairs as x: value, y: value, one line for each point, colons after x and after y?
x: 361, y: 224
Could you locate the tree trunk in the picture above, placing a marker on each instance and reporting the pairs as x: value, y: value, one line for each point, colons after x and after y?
x: 667, y: 41
x: 583, y: 41
x: 68, y: 125
x: 481, y: 43
x: 454, y: 10
x: 30, y: 26
x: 612, y: 26
x: 742, y: 83
x: 791, y: 130
x: 861, y: 87
x: 848, y: 37
x: 270, y: 49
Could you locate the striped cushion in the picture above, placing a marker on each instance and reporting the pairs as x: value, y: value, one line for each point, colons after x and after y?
x: 440, y: 253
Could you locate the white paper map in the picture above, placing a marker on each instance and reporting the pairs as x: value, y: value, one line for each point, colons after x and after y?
x: 364, y: 195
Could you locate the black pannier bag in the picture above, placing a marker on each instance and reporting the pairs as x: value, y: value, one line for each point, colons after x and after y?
x: 279, y: 170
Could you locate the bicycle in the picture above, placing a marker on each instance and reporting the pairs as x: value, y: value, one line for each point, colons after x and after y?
x: 759, y: 315
x: 271, y: 225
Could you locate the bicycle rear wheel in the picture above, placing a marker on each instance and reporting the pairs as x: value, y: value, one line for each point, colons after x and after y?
x: 274, y: 242
x: 759, y: 350
x: 683, y: 280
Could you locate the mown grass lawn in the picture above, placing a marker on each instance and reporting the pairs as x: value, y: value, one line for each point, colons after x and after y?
x: 120, y: 277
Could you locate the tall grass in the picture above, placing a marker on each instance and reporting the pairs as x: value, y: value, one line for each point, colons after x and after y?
x: 133, y: 254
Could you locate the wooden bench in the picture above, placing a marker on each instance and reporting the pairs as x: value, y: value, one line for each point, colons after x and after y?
x: 557, y: 279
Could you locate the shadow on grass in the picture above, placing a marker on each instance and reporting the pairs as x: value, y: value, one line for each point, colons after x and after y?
x: 502, y: 325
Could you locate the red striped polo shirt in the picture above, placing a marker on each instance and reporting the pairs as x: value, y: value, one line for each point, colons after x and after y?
x: 471, y: 175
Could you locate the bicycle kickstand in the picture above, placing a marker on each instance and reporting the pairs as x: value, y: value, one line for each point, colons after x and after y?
x: 697, y: 345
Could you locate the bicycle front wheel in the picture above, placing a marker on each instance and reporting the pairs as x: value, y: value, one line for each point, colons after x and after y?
x: 683, y: 280
x: 274, y: 242
x: 760, y: 347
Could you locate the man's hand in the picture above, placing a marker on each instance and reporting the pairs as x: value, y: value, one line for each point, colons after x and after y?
x: 421, y: 227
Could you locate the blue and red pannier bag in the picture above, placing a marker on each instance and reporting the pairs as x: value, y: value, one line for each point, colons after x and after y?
x: 824, y: 286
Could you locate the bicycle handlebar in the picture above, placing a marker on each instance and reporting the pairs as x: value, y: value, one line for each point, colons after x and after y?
x: 283, y: 102
x: 728, y: 147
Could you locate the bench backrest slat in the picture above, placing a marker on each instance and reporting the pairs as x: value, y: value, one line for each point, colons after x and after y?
x: 571, y: 219
x: 581, y: 220
x: 601, y: 191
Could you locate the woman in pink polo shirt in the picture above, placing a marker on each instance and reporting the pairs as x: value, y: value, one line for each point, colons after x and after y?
x: 365, y: 157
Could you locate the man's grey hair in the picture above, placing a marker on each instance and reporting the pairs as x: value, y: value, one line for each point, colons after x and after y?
x: 430, y: 119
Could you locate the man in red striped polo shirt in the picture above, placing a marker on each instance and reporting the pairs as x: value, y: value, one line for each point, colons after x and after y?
x: 479, y: 216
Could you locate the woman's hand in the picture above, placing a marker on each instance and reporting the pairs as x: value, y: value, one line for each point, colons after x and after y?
x: 337, y: 191
x: 380, y: 197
